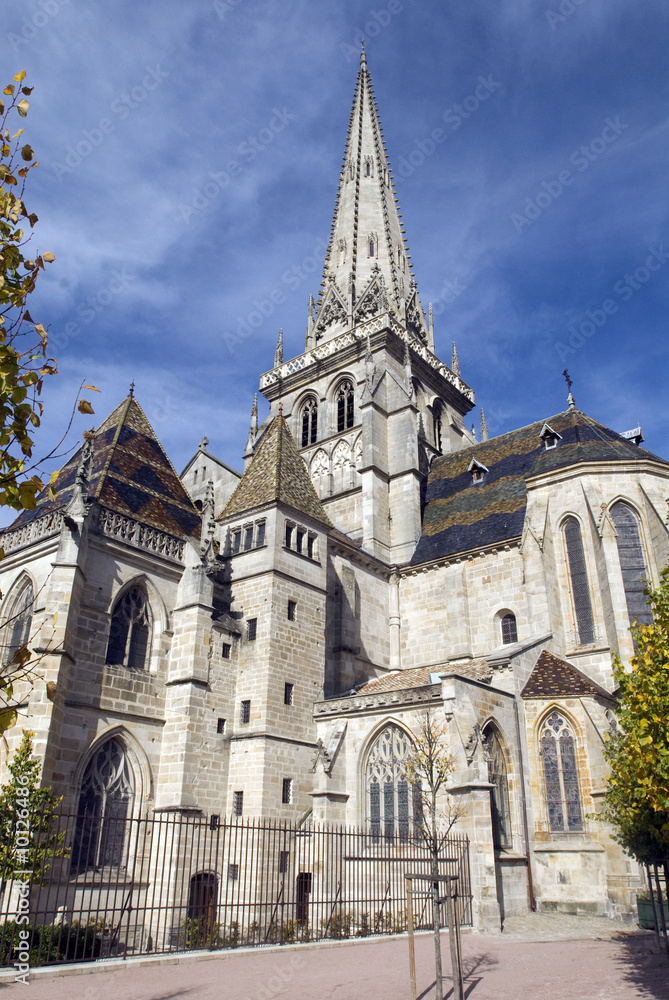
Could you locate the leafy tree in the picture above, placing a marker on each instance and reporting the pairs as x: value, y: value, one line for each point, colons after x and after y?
x: 28, y: 838
x: 24, y: 362
x: 637, y: 795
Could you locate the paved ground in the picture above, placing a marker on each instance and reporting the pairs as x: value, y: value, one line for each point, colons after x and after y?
x: 539, y: 957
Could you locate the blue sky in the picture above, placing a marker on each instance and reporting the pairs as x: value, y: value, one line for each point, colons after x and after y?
x: 537, y: 221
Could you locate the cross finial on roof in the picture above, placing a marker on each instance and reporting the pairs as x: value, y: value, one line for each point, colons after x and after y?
x: 132, y: 389
x: 204, y: 442
x: 570, y: 398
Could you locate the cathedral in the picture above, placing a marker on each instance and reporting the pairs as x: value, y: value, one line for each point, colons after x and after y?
x: 263, y: 643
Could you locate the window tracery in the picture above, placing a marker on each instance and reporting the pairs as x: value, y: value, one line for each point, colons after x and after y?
x: 105, y: 802
x: 499, y: 795
x: 393, y: 804
x: 558, y: 753
x: 19, y: 621
x: 129, y: 633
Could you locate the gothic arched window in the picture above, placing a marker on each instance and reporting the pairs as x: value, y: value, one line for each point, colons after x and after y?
x: 509, y: 628
x: 578, y: 576
x: 19, y: 621
x: 632, y: 562
x: 105, y: 802
x: 345, y: 401
x: 499, y: 794
x: 436, y: 425
x: 558, y: 753
x: 309, y: 422
x: 393, y: 804
x: 129, y: 633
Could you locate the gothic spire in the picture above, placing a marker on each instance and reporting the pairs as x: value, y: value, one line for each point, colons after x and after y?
x: 278, y: 354
x: 253, y: 430
x: 366, y: 228
x: 455, y: 363
x: 484, y: 426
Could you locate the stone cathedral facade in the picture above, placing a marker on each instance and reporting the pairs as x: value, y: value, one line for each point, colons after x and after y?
x: 261, y: 644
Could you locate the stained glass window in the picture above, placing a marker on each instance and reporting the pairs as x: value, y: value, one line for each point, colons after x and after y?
x: 129, y: 633
x: 388, y: 789
x: 558, y: 752
x: 580, y: 592
x: 632, y: 562
x: 105, y: 801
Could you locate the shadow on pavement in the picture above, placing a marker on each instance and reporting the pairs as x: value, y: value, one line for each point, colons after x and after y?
x: 643, y: 964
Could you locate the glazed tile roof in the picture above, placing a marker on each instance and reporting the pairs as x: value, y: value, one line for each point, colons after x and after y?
x: 555, y: 678
x: 461, y: 515
x: 277, y: 474
x: 129, y: 474
x: 400, y: 680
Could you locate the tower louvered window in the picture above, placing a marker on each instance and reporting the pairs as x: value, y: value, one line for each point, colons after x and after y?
x: 309, y: 422
x: 580, y: 592
x: 558, y: 752
x: 345, y: 401
x: 632, y: 562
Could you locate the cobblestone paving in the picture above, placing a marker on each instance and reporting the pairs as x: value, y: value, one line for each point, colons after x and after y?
x: 540, y: 957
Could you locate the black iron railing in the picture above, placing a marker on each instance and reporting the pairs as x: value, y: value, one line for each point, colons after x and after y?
x: 91, y: 888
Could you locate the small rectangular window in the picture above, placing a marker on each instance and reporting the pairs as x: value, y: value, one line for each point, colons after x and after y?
x: 284, y: 858
x: 310, y: 546
x: 225, y: 650
x: 260, y: 533
x: 233, y: 870
x: 248, y: 537
x: 289, y: 535
x: 299, y: 541
x: 236, y: 541
x: 252, y: 629
x: 288, y: 694
x: 220, y: 726
x: 291, y: 610
x: 287, y: 791
x: 245, y: 715
x: 238, y: 803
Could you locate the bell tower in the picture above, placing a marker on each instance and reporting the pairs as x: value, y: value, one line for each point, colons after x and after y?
x: 368, y: 402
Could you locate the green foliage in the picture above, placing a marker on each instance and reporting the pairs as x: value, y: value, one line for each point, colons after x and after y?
x: 23, y: 342
x: 637, y: 795
x: 29, y: 840
x: 73, y: 942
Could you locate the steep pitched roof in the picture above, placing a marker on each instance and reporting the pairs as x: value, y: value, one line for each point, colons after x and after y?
x: 277, y: 474
x: 555, y: 678
x: 366, y: 206
x: 461, y: 515
x: 130, y: 474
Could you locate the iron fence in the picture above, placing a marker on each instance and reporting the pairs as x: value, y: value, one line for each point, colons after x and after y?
x: 89, y: 887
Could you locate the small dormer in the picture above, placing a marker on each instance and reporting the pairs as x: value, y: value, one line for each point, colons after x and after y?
x: 477, y: 471
x: 549, y: 437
